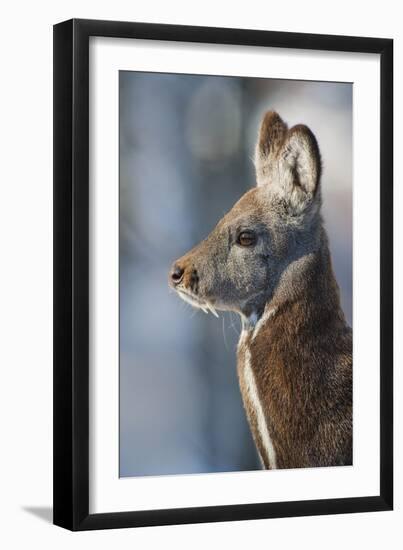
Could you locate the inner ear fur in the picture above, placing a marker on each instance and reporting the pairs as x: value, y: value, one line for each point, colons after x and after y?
x: 301, y: 155
x: 287, y: 158
x: 272, y: 133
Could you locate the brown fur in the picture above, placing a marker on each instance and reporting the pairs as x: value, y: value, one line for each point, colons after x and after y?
x: 301, y: 359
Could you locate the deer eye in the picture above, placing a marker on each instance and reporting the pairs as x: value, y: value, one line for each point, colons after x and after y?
x: 246, y: 238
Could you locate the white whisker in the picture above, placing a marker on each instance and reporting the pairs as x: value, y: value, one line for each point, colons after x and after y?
x: 194, y: 311
x: 234, y: 328
x: 223, y: 333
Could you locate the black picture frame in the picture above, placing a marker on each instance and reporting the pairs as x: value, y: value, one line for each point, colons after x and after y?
x: 71, y: 274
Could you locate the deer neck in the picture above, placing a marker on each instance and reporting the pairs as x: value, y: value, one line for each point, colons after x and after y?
x: 276, y: 350
x: 306, y: 284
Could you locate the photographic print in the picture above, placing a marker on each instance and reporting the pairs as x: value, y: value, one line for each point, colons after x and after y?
x: 235, y: 274
x: 207, y: 276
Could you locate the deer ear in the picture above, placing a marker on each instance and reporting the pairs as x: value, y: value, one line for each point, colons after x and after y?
x: 271, y: 137
x: 288, y: 161
x: 300, y: 156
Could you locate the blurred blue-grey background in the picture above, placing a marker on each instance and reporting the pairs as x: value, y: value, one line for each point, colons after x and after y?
x: 186, y: 144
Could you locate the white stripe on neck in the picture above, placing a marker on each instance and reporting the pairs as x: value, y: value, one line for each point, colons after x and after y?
x: 253, y: 323
x: 257, y: 406
x: 265, y: 317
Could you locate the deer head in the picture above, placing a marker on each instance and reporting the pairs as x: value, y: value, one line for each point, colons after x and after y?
x: 240, y: 263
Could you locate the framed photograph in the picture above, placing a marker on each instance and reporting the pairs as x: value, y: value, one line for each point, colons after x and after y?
x: 223, y: 321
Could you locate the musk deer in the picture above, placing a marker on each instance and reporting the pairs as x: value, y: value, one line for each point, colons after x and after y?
x: 268, y: 260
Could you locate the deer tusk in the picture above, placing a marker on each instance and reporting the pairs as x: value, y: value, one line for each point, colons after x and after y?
x: 204, y: 309
x: 213, y: 311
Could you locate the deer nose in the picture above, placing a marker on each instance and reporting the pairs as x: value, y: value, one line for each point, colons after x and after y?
x: 177, y: 274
